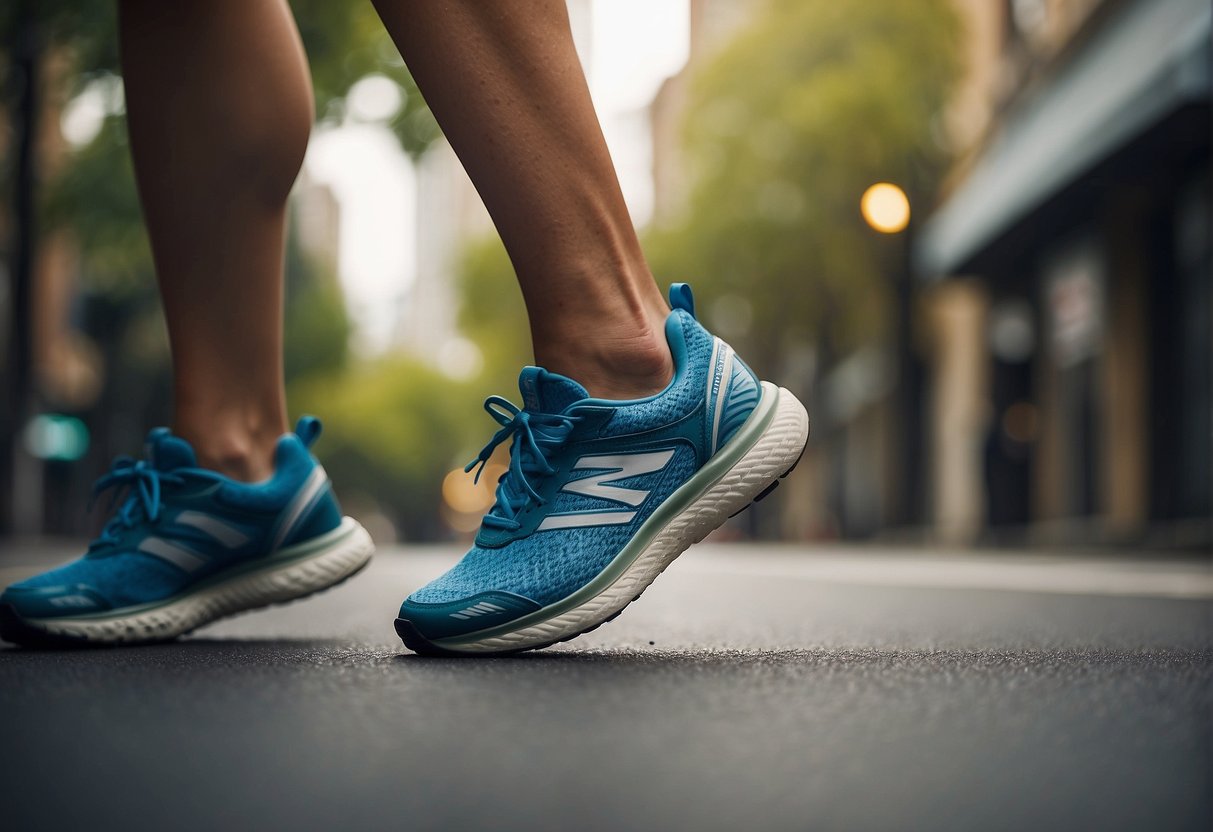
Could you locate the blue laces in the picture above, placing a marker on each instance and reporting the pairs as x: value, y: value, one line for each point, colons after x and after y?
x: 143, y: 482
x: 534, y: 435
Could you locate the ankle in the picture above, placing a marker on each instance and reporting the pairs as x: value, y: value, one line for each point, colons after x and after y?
x: 613, y: 365
x: 241, y: 449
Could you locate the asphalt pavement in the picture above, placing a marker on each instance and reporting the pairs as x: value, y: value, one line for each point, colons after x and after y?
x: 750, y: 688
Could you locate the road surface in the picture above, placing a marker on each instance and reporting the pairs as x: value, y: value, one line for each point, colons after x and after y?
x: 751, y: 688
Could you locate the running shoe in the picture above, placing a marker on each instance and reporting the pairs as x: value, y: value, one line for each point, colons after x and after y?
x: 187, y: 546
x: 600, y: 496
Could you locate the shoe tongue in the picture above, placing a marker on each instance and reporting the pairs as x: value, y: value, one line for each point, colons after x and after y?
x: 545, y: 392
x: 168, y: 452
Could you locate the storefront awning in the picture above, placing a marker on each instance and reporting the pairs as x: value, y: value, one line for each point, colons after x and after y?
x: 1147, y: 59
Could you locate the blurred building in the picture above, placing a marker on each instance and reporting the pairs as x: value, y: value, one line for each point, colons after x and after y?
x: 1065, y: 279
x: 711, y: 24
x: 1050, y: 380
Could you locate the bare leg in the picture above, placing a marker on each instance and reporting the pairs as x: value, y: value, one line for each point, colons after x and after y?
x: 219, y: 107
x: 505, y: 83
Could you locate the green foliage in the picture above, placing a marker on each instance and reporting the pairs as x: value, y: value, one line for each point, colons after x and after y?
x: 393, y: 429
x: 788, y: 125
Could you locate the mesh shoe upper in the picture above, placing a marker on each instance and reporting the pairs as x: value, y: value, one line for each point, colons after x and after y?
x: 547, y: 566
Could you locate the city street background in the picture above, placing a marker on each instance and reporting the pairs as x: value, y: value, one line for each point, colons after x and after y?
x: 973, y: 236
x: 750, y: 688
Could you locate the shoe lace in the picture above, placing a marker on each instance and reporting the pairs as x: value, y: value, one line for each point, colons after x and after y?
x: 144, y: 485
x: 534, y: 436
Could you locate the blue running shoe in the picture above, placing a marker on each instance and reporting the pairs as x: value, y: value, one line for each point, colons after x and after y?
x: 188, y: 546
x: 601, y: 496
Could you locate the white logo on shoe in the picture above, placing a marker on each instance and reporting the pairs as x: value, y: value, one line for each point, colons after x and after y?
x: 483, y: 608
x: 718, y: 383
x: 615, y: 467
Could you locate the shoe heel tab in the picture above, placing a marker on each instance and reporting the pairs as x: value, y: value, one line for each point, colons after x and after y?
x: 308, y: 429
x: 293, y: 447
x: 676, y: 335
x: 682, y: 298
x: 289, y: 452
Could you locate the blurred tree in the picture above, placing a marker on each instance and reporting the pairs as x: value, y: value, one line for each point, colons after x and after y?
x: 787, y: 126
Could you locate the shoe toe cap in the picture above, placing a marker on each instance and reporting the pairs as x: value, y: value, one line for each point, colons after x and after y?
x: 465, y: 615
x: 54, y: 600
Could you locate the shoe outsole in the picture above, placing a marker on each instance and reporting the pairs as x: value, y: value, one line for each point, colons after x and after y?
x: 418, y: 643
x: 17, y: 630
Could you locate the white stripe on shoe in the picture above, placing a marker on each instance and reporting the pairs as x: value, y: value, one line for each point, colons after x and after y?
x: 709, y: 393
x: 294, y: 512
x: 228, y: 535
x: 577, y: 520
x: 726, y: 375
x: 177, y: 555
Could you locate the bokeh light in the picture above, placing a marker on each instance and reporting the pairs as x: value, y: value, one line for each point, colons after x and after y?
x: 465, y: 500
x: 885, y: 207
x: 55, y: 436
x: 375, y: 98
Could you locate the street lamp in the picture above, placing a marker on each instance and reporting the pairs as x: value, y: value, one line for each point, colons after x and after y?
x: 885, y: 207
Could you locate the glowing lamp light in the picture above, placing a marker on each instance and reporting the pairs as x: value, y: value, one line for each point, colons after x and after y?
x: 885, y: 207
